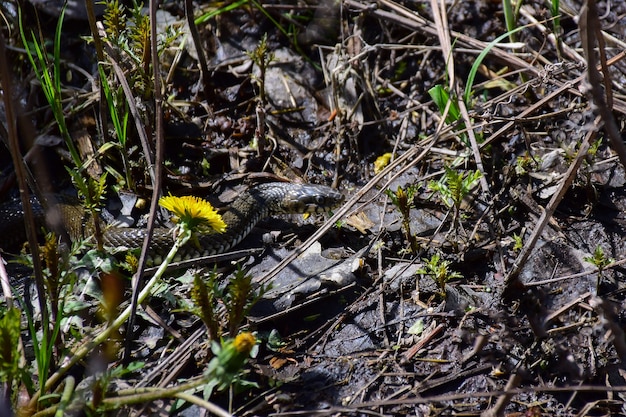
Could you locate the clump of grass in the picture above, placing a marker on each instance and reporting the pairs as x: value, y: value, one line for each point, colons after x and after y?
x: 48, y: 72
x: 128, y: 36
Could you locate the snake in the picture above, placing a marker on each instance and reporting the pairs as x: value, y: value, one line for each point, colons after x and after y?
x: 253, y: 205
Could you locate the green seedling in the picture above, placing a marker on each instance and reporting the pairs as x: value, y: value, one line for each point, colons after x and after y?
x: 600, y: 261
x: 240, y: 298
x: 524, y: 164
x: 403, y: 199
x: 593, y: 150
x: 44, y: 347
x: 204, y: 296
x: 261, y: 57
x: 119, y: 113
x: 439, y: 270
x: 518, y: 243
x: 453, y: 187
x: 114, y: 20
x: 442, y: 98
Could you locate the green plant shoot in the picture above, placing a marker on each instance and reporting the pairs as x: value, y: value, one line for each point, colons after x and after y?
x: 439, y: 270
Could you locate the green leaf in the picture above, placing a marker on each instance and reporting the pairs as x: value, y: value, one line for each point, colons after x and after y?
x: 441, y: 97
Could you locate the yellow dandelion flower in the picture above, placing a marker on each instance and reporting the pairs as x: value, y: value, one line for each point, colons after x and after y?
x: 194, y: 212
x: 244, y: 342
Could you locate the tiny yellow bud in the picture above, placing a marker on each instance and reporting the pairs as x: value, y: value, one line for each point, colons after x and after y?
x: 381, y: 162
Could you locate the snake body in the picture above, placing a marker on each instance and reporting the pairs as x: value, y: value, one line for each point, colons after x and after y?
x: 251, y: 206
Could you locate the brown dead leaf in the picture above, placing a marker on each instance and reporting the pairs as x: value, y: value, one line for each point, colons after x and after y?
x: 360, y: 222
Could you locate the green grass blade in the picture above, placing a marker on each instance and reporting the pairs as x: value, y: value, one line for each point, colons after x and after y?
x: 509, y: 17
x: 274, y: 21
x: 118, y: 124
x: 207, y: 16
x: 472, y: 74
x: 57, y: 51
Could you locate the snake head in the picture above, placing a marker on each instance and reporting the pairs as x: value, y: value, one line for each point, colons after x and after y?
x: 307, y: 198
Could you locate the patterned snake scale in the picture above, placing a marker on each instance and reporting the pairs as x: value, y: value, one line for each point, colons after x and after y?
x: 253, y: 205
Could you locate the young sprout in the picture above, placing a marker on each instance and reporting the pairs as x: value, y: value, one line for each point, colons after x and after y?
x: 453, y: 187
x: 518, y: 242
x: 403, y: 199
x: 600, y: 261
x: 439, y: 270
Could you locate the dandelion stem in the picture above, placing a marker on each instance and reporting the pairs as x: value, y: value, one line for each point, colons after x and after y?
x: 84, y: 349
